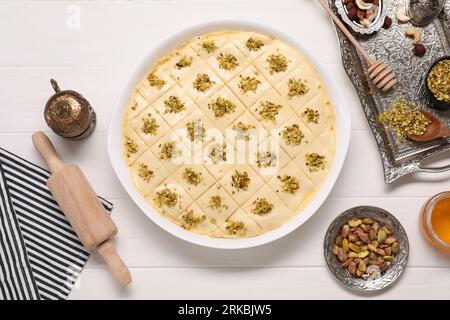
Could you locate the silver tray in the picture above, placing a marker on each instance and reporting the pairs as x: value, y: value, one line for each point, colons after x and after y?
x: 392, y: 47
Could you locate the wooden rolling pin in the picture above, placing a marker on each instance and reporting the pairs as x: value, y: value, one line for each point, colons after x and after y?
x: 82, y: 208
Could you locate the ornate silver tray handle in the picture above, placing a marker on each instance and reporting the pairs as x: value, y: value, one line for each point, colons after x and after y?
x: 392, y: 47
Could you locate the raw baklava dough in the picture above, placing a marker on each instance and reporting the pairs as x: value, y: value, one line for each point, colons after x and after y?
x: 235, y: 82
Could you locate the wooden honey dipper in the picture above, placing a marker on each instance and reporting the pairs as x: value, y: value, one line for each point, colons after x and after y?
x: 83, y: 209
x: 380, y: 74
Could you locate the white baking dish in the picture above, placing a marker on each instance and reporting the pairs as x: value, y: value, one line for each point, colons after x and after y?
x: 343, y: 128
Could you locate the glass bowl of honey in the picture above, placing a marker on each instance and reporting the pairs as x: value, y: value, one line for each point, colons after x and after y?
x: 435, y: 221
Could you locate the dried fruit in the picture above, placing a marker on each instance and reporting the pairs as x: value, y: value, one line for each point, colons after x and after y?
x: 387, y: 23
x: 420, y: 50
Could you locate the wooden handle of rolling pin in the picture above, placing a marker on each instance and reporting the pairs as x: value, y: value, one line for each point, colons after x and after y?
x: 115, y: 264
x: 48, y: 152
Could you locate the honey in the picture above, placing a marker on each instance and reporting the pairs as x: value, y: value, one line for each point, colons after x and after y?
x: 435, y: 220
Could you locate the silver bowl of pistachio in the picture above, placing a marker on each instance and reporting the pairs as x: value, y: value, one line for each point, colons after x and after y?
x: 366, y: 248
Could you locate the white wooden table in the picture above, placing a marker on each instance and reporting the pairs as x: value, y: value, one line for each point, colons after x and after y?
x: 40, y: 40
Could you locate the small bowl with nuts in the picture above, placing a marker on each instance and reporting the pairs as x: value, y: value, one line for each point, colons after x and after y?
x: 437, y: 83
x: 366, y: 248
x: 363, y: 16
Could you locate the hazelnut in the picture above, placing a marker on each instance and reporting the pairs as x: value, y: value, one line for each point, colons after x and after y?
x: 346, y: 2
x: 387, y: 23
x: 352, y: 14
x: 350, y: 5
x: 376, y: 3
x: 419, y: 50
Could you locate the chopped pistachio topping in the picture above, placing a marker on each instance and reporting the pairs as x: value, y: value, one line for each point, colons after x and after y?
x: 218, y: 153
x: 149, y: 125
x: 203, y: 83
x: 227, y: 61
x: 243, y: 129
x: 289, y: 184
x: 184, y: 62
x: 262, y: 207
x: 240, y: 180
x: 189, y: 220
x: 405, y: 119
x: 195, y: 130
x: 292, y: 135
x: 277, y: 63
x: 269, y: 110
x: 297, y: 88
x: 173, y: 105
x: 166, y: 197
x: 167, y: 150
x: 216, y: 203
x: 134, y: 106
x: 209, y: 46
x: 192, y: 177
x: 131, y: 146
x: 156, y: 81
x: 315, y: 162
x: 145, y: 173
x: 222, y: 106
x: 311, y: 115
x: 236, y: 228
x: 248, y: 84
x: 253, y: 44
x: 266, y: 159
x: 439, y: 80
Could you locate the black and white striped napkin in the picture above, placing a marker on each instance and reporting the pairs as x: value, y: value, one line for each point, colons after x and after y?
x: 41, y: 257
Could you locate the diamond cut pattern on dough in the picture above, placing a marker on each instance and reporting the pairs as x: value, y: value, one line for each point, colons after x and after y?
x: 173, y: 212
x: 224, y: 121
x: 273, y: 87
x: 279, y: 214
x: 239, y: 195
x: 147, y: 115
x: 146, y: 186
x: 217, y: 215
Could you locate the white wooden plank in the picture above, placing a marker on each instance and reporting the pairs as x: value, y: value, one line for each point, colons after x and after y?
x: 254, y: 283
x: 142, y: 243
x: 361, y: 176
x: 103, y: 87
x: 116, y: 33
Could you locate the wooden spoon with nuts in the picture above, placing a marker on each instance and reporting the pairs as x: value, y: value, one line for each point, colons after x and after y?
x: 434, y: 131
x: 380, y: 74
